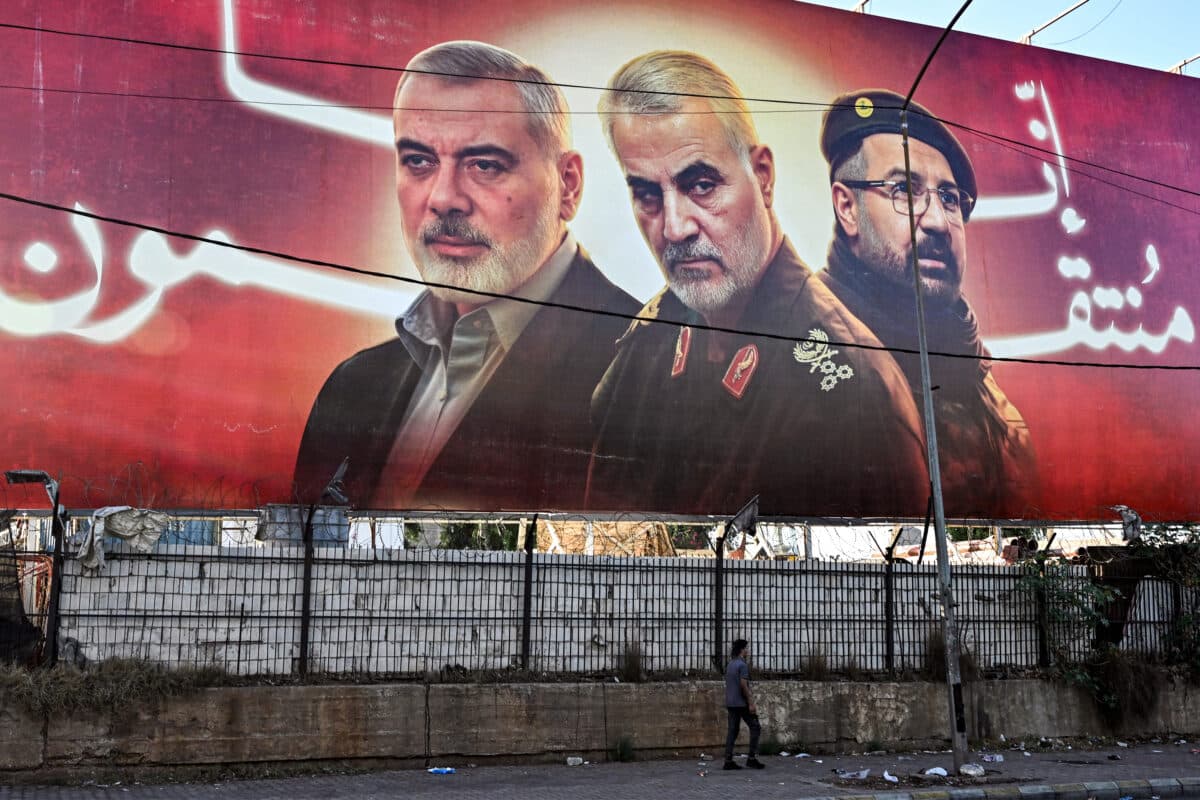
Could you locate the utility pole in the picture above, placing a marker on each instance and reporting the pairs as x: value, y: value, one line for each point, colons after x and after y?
x: 958, y: 720
x: 957, y: 709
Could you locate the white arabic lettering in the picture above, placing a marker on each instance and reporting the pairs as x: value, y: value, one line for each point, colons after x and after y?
x: 296, y: 107
x: 152, y: 261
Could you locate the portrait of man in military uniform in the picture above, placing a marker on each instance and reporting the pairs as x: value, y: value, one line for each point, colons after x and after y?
x: 482, y: 400
x: 744, y: 376
x: 986, y: 460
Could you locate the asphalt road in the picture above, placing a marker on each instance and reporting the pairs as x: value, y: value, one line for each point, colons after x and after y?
x: 785, y: 777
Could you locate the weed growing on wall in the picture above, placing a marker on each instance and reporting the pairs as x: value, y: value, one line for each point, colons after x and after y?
x: 106, y: 686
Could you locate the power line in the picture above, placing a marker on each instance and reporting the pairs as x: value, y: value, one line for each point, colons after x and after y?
x: 1015, y: 146
x: 381, y: 67
x: 815, y: 106
x: 566, y: 306
x: 812, y: 107
x: 807, y: 105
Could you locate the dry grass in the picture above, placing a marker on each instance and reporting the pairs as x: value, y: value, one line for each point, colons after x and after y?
x: 105, y: 686
x: 935, y: 659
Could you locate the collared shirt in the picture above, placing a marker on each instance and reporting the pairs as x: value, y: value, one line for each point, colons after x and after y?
x: 457, y: 356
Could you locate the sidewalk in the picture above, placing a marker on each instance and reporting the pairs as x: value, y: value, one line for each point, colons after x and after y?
x: 1162, y: 770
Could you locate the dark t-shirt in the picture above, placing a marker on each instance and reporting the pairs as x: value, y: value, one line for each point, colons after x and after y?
x: 734, y: 673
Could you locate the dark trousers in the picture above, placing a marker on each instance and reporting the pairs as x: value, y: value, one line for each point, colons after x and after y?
x: 736, y: 715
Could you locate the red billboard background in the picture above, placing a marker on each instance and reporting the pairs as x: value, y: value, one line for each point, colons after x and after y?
x: 160, y: 372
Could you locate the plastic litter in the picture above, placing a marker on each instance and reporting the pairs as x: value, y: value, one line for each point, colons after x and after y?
x: 847, y: 775
x: 574, y: 761
x: 890, y: 778
x: 971, y: 770
x: 784, y: 753
x: 802, y: 755
x: 441, y: 770
x: 1122, y: 744
x: 1114, y: 757
x: 939, y: 771
x: 992, y: 758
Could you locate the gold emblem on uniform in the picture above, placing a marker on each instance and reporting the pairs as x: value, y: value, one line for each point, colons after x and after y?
x: 864, y: 107
x: 741, y: 370
x: 817, y: 353
x: 683, y: 346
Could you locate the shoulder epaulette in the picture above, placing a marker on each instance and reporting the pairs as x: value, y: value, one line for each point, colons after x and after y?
x: 649, y: 312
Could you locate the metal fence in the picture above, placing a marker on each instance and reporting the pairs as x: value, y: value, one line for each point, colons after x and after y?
x: 294, y: 610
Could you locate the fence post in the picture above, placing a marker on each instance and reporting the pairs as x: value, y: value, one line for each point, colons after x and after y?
x: 527, y: 600
x: 719, y: 602
x: 306, y: 591
x: 53, y: 612
x: 889, y: 615
x: 1043, y: 618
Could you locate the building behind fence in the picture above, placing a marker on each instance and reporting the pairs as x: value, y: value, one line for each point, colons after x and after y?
x: 285, y: 609
x: 412, y: 612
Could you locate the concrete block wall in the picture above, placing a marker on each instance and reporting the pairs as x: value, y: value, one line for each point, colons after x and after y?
x: 414, y: 611
x: 422, y: 724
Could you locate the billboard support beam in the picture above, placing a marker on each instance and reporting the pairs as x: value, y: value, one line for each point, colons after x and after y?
x: 1178, y: 68
x: 1028, y: 38
x: 956, y: 707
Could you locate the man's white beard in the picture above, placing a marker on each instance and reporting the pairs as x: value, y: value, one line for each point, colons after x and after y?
x: 742, y: 264
x: 500, y: 271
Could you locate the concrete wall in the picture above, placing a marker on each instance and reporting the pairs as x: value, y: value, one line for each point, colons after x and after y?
x: 409, y: 612
x: 412, y: 724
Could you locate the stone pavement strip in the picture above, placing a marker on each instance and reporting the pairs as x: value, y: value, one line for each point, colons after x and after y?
x: 1141, y: 772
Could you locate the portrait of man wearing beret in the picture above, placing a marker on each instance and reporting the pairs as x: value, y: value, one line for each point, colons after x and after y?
x: 987, y: 463
x: 779, y: 402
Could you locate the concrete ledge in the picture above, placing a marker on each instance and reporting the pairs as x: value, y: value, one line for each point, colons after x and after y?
x: 21, y: 737
x: 1165, y: 787
x: 412, y: 723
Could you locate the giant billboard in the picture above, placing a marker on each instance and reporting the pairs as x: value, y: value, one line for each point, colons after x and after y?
x: 613, y: 258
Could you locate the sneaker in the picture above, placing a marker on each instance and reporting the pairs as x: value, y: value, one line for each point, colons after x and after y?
x: 731, y: 764
x: 754, y: 763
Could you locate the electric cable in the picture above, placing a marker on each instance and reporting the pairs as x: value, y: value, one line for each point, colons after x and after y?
x: 568, y: 306
x: 811, y: 105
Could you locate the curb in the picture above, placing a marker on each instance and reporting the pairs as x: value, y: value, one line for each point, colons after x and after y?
x: 1092, y: 790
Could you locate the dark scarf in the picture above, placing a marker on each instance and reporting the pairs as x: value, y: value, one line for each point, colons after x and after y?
x: 891, y: 314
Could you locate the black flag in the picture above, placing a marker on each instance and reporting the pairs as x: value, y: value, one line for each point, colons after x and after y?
x: 743, y: 521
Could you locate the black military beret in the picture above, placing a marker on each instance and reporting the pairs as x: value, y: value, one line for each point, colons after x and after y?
x: 854, y: 116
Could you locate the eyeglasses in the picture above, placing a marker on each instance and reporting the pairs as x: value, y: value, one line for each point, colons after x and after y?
x: 955, y: 202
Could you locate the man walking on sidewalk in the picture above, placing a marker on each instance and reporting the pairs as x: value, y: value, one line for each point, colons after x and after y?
x: 739, y: 704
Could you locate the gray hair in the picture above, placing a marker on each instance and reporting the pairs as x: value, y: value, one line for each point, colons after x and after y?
x: 852, y: 168
x: 469, y: 62
x: 660, y: 81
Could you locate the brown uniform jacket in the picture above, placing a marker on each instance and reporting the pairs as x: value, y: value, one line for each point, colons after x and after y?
x: 814, y: 428
x: 985, y: 456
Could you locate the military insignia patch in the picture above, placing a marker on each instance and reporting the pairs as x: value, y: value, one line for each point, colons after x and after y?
x: 741, y: 370
x: 683, y: 346
x: 817, y: 353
